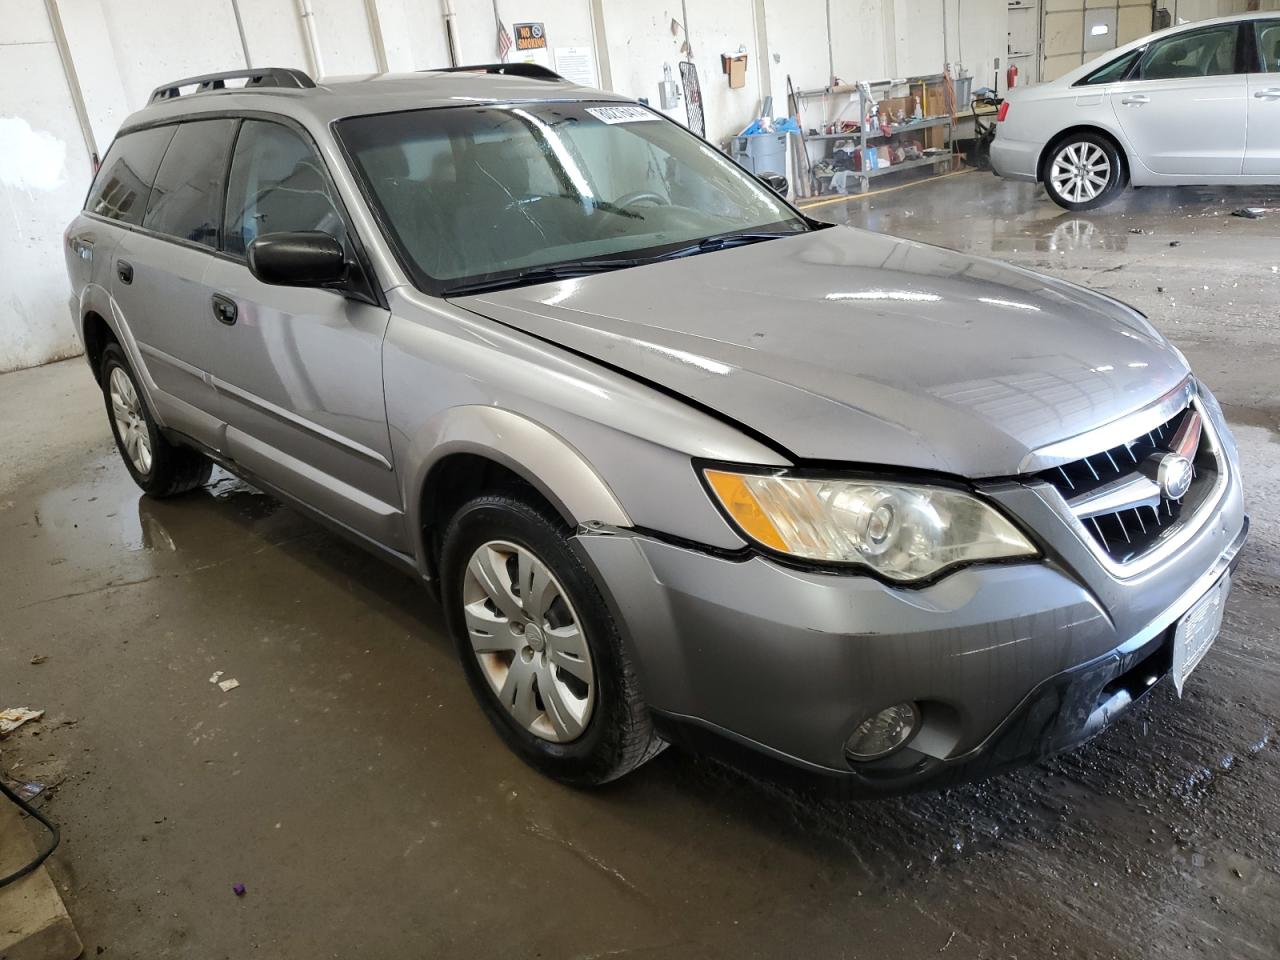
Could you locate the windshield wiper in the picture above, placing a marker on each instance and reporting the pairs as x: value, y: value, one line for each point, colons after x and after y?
x: 722, y: 241
x: 562, y: 271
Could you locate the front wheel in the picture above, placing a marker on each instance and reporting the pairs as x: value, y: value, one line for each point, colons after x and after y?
x: 539, y: 646
x: 1083, y: 171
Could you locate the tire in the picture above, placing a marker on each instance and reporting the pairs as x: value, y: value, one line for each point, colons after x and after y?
x: 587, y: 732
x: 160, y: 468
x: 1072, y: 166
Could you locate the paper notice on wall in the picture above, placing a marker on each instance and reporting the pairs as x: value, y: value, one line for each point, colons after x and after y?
x: 577, y: 65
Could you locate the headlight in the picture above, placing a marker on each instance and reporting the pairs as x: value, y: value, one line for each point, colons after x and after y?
x: 900, y: 531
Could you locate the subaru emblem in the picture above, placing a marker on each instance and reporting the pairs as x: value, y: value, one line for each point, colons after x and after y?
x: 1173, y: 475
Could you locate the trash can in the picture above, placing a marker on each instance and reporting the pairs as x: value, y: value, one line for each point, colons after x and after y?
x: 760, y: 152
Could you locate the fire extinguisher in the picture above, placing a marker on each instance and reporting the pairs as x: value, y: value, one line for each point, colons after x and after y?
x: 1011, y: 76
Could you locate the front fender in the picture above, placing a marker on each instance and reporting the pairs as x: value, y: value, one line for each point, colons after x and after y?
x: 543, y: 458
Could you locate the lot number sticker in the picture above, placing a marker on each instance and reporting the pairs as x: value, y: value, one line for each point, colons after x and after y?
x: 623, y: 113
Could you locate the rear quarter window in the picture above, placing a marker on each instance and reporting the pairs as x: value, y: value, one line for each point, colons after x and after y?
x: 1111, y: 72
x: 123, y: 183
x: 186, y: 200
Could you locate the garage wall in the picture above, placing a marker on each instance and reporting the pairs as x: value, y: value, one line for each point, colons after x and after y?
x: 43, y: 172
x: 119, y: 50
x: 1070, y: 42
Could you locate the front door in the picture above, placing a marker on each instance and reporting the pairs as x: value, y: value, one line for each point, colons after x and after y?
x: 1262, y: 154
x: 1184, y: 112
x: 299, y: 370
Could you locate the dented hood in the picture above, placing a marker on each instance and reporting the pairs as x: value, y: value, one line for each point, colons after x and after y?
x: 842, y: 345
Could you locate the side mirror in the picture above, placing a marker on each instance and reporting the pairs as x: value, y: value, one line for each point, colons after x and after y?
x: 776, y: 182
x: 307, y: 258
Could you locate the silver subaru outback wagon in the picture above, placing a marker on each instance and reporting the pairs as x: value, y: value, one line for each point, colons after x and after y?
x: 676, y: 459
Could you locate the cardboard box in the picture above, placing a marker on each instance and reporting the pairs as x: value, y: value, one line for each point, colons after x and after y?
x: 891, y: 107
x: 884, y: 156
x: 735, y: 67
x: 932, y: 97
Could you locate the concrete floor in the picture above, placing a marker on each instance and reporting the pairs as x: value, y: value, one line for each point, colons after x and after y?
x: 353, y: 787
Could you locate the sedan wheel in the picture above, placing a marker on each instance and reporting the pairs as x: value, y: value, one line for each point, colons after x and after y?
x: 1080, y: 172
x: 1083, y: 172
x: 529, y: 641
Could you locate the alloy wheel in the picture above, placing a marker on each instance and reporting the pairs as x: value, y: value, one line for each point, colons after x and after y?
x: 131, y: 422
x: 1080, y: 171
x: 529, y: 641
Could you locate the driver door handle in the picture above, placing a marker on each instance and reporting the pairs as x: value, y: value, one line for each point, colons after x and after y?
x: 1271, y: 93
x: 225, y: 309
x: 1135, y: 99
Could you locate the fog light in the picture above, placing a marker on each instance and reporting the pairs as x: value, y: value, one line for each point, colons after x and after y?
x: 880, y: 735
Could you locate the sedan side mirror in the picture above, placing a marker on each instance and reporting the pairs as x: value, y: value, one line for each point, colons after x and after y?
x: 776, y: 181
x: 307, y: 258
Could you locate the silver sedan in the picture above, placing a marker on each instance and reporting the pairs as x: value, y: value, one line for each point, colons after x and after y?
x: 1195, y: 104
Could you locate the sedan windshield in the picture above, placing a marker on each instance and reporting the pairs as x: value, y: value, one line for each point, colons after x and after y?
x: 480, y: 197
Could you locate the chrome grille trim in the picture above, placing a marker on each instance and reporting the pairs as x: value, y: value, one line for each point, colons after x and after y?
x: 1112, y: 434
x: 1174, y: 529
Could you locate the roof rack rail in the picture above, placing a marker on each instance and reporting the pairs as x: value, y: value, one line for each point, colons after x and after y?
x: 263, y: 77
x: 534, y: 71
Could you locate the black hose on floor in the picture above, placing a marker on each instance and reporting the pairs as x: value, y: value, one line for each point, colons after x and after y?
x: 41, y: 857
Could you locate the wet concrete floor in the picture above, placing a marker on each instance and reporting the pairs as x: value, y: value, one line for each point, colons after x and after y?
x: 353, y: 787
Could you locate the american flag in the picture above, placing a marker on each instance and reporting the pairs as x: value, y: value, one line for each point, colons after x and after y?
x: 504, y: 42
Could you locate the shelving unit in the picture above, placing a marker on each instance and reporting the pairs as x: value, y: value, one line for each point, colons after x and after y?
x: 864, y: 138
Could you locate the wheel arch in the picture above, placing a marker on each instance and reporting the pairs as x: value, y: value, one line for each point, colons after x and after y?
x: 96, y: 334
x: 471, y: 449
x: 1093, y: 128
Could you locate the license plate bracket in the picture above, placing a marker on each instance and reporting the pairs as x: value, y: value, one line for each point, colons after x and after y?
x: 1196, y: 631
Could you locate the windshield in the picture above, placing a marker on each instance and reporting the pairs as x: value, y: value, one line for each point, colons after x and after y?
x: 510, y: 193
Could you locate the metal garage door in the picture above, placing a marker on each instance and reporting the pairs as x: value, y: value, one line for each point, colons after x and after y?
x: 1076, y: 31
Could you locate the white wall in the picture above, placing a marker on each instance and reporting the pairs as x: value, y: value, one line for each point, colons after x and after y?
x: 44, y: 171
x: 1191, y: 10
x: 120, y: 50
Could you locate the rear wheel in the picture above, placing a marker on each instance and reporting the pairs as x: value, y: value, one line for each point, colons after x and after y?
x: 1083, y: 171
x: 160, y: 468
x: 539, y: 646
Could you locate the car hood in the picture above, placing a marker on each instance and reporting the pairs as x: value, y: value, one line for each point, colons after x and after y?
x: 847, y: 346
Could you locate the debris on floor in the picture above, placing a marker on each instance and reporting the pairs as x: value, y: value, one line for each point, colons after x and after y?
x: 29, y: 791
x: 39, y: 659
x: 1249, y: 213
x: 12, y: 718
x: 238, y: 889
x: 217, y: 675
x: 227, y: 685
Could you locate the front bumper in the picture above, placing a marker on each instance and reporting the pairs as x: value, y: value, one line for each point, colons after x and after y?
x: 1009, y: 662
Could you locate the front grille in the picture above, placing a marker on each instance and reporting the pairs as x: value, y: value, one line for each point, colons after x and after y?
x: 1128, y: 533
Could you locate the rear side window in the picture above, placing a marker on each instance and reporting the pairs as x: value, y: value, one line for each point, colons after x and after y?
x: 1117, y: 69
x: 186, y: 201
x: 122, y: 185
x: 1269, y: 45
x: 277, y: 183
x: 1203, y: 53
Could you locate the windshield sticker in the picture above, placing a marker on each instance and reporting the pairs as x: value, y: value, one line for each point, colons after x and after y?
x: 624, y: 113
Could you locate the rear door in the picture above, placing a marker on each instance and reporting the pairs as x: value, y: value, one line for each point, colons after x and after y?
x: 300, y: 369
x: 1184, y: 110
x: 159, y: 271
x: 1262, y: 154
